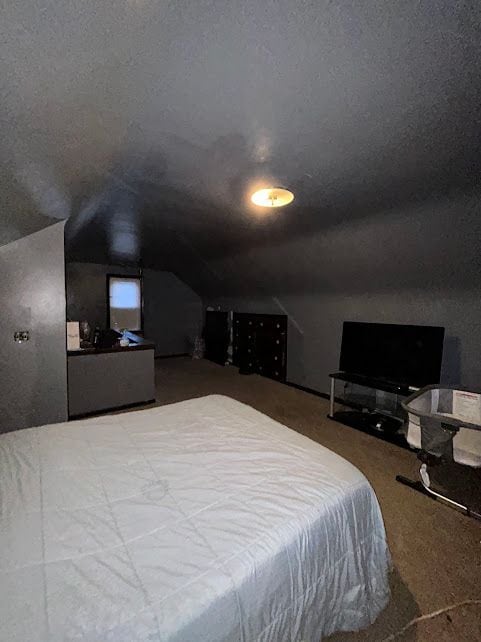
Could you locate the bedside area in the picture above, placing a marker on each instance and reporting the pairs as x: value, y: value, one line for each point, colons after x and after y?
x: 102, y: 379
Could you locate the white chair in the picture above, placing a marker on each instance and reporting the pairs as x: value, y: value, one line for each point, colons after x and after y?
x: 466, y: 443
x: 444, y: 424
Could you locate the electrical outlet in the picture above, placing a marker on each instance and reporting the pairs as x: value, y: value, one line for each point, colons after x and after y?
x: 21, y: 336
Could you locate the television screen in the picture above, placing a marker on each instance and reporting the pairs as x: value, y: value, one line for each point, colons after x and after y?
x: 407, y: 354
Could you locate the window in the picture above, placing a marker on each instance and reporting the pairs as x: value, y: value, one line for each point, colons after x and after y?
x: 125, y: 302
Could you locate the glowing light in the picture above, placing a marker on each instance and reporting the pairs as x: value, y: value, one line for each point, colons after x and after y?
x: 272, y: 197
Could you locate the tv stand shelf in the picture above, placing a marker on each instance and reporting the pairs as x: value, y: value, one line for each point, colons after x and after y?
x: 378, y: 413
x: 377, y: 384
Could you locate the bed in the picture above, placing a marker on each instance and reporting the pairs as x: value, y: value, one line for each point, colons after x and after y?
x: 203, y: 520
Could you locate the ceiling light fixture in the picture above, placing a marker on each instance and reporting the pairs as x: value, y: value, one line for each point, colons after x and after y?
x: 272, y: 197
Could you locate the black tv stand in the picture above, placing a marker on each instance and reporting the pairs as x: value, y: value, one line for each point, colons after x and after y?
x: 366, y: 415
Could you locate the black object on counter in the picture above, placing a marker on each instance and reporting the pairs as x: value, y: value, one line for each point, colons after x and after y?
x: 108, y: 338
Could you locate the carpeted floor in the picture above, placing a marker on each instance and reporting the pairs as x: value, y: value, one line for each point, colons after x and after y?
x: 436, y: 551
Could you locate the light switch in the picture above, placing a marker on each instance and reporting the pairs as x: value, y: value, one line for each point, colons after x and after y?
x: 21, y: 336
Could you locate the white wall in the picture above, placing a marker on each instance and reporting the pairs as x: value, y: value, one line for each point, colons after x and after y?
x: 172, y: 310
x: 33, y: 375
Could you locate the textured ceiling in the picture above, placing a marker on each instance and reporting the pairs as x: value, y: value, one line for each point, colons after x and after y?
x: 148, y: 123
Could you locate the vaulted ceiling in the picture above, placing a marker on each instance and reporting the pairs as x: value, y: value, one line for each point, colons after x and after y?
x: 148, y: 123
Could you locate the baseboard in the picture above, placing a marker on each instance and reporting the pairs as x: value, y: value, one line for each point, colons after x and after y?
x: 106, y: 411
x: 172, y: 356
x: 311, y: 391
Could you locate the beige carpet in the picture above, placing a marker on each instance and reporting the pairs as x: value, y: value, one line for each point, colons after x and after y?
x: 436, y: 551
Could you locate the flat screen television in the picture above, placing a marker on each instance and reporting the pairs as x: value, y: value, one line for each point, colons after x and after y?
x: 406, y: 354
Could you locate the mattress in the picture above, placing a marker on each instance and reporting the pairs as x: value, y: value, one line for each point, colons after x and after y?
x: 203, y: 520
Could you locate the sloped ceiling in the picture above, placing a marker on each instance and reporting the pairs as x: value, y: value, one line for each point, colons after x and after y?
x: 147, y: 124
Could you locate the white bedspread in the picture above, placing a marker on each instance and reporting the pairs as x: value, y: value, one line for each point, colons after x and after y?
x: 199, y: 521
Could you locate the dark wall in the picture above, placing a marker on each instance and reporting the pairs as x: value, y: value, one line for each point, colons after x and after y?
x: 420, y: 265
x: 173, y: 313
x: 172, y: 310
x: 315, y: 328
x: 33, y: 375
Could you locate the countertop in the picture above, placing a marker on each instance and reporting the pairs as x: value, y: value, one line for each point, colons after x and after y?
x: 136, y: 343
